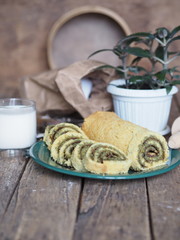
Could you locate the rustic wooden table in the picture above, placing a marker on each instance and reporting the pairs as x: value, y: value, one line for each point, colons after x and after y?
x: 36, y: 203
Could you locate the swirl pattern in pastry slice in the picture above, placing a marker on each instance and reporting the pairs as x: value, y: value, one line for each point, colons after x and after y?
x: 103, y: 158
x: 79, y: 154
x: 151, y: 152
x: 46, y: 132
x: 60, y: 129
x: 63, y: 146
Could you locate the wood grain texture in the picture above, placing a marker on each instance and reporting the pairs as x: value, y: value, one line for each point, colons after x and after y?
x: 44, y: 206
x: 113, y: 210
x: 11, y: 170
x: 164, y: 197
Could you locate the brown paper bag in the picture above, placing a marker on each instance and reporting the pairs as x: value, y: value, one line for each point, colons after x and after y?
x: 44, y: 91
x: 61, y: 89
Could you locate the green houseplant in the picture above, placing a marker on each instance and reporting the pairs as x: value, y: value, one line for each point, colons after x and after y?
x: 143, y: 94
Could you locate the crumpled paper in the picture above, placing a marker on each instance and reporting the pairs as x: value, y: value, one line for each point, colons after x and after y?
x: 61, y: 89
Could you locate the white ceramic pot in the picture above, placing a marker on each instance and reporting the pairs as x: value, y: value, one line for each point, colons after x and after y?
x: 147, y: 108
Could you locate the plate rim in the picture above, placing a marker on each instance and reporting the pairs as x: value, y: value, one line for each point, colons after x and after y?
x: 98, y: 176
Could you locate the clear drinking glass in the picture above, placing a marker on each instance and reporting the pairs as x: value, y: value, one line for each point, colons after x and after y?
x: 18, y: 123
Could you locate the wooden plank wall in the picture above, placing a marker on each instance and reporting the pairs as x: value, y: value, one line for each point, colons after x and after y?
x: 24, y: 27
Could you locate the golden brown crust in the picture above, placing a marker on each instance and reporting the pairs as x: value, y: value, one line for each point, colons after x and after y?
x: 60, y: 129
x: 108, y: 127
x: 130, y: 138
x: 60, y: 141
x: 79, y: 154
x: 104, y: 158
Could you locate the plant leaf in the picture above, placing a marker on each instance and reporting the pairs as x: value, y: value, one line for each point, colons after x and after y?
x: 128, y: 40
x: 168, y: 89
x: 137, y: 69
x: 139, y: 52
x: 173, y: 69
x: 141, y: 34
x: 134, y: 79
x: 176, y: 76
x: 118, y: 53
x: 175, y: 82
x: 161, y: 76
x: 98, y: 51
x: 174, y: 31
x: 159, y: 52
x: 171, y: 53
x: 173, y: 39
x: 105, y: 66
x: 135, y: 37
x: 136, y: 60
x: 119, y: 69
x: 118, y: 50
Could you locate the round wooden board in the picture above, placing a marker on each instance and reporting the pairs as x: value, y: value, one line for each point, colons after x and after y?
x: 80, y: 32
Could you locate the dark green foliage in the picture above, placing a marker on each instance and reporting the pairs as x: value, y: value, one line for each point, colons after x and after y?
x: 156, y: 50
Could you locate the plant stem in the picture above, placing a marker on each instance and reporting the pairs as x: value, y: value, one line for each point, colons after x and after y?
x: 159, y: 60
x: 159, y: 41
x: 152, y: 59
x: 125, y: 71
x: 165, y: 65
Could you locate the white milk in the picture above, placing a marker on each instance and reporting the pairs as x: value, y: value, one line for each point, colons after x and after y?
x: 17, y: 127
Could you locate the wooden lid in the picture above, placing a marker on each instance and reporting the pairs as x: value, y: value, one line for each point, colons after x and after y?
x: 80, y: 32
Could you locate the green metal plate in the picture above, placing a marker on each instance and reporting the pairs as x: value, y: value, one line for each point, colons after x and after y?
x: 41, y: 155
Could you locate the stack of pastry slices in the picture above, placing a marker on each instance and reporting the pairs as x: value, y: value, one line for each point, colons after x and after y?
x: 70, y: 147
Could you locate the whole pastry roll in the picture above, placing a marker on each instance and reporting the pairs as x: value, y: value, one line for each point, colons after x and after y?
x: 63, y: 146
x: 103, y: 158
x: 145, y: 148
x: 59, y: 130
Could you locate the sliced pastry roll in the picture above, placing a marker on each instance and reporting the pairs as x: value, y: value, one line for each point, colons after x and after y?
x: 46, y: 133
x: 61, y: 129
x: 148, y: 151
x: 79, y: 154
x: 103, y: 158
x: 63, y: 146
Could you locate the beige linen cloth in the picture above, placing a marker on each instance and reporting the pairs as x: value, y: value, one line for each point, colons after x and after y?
x: 61, y: 89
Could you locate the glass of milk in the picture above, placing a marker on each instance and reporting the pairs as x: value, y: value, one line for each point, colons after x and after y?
x: 18, y: 124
